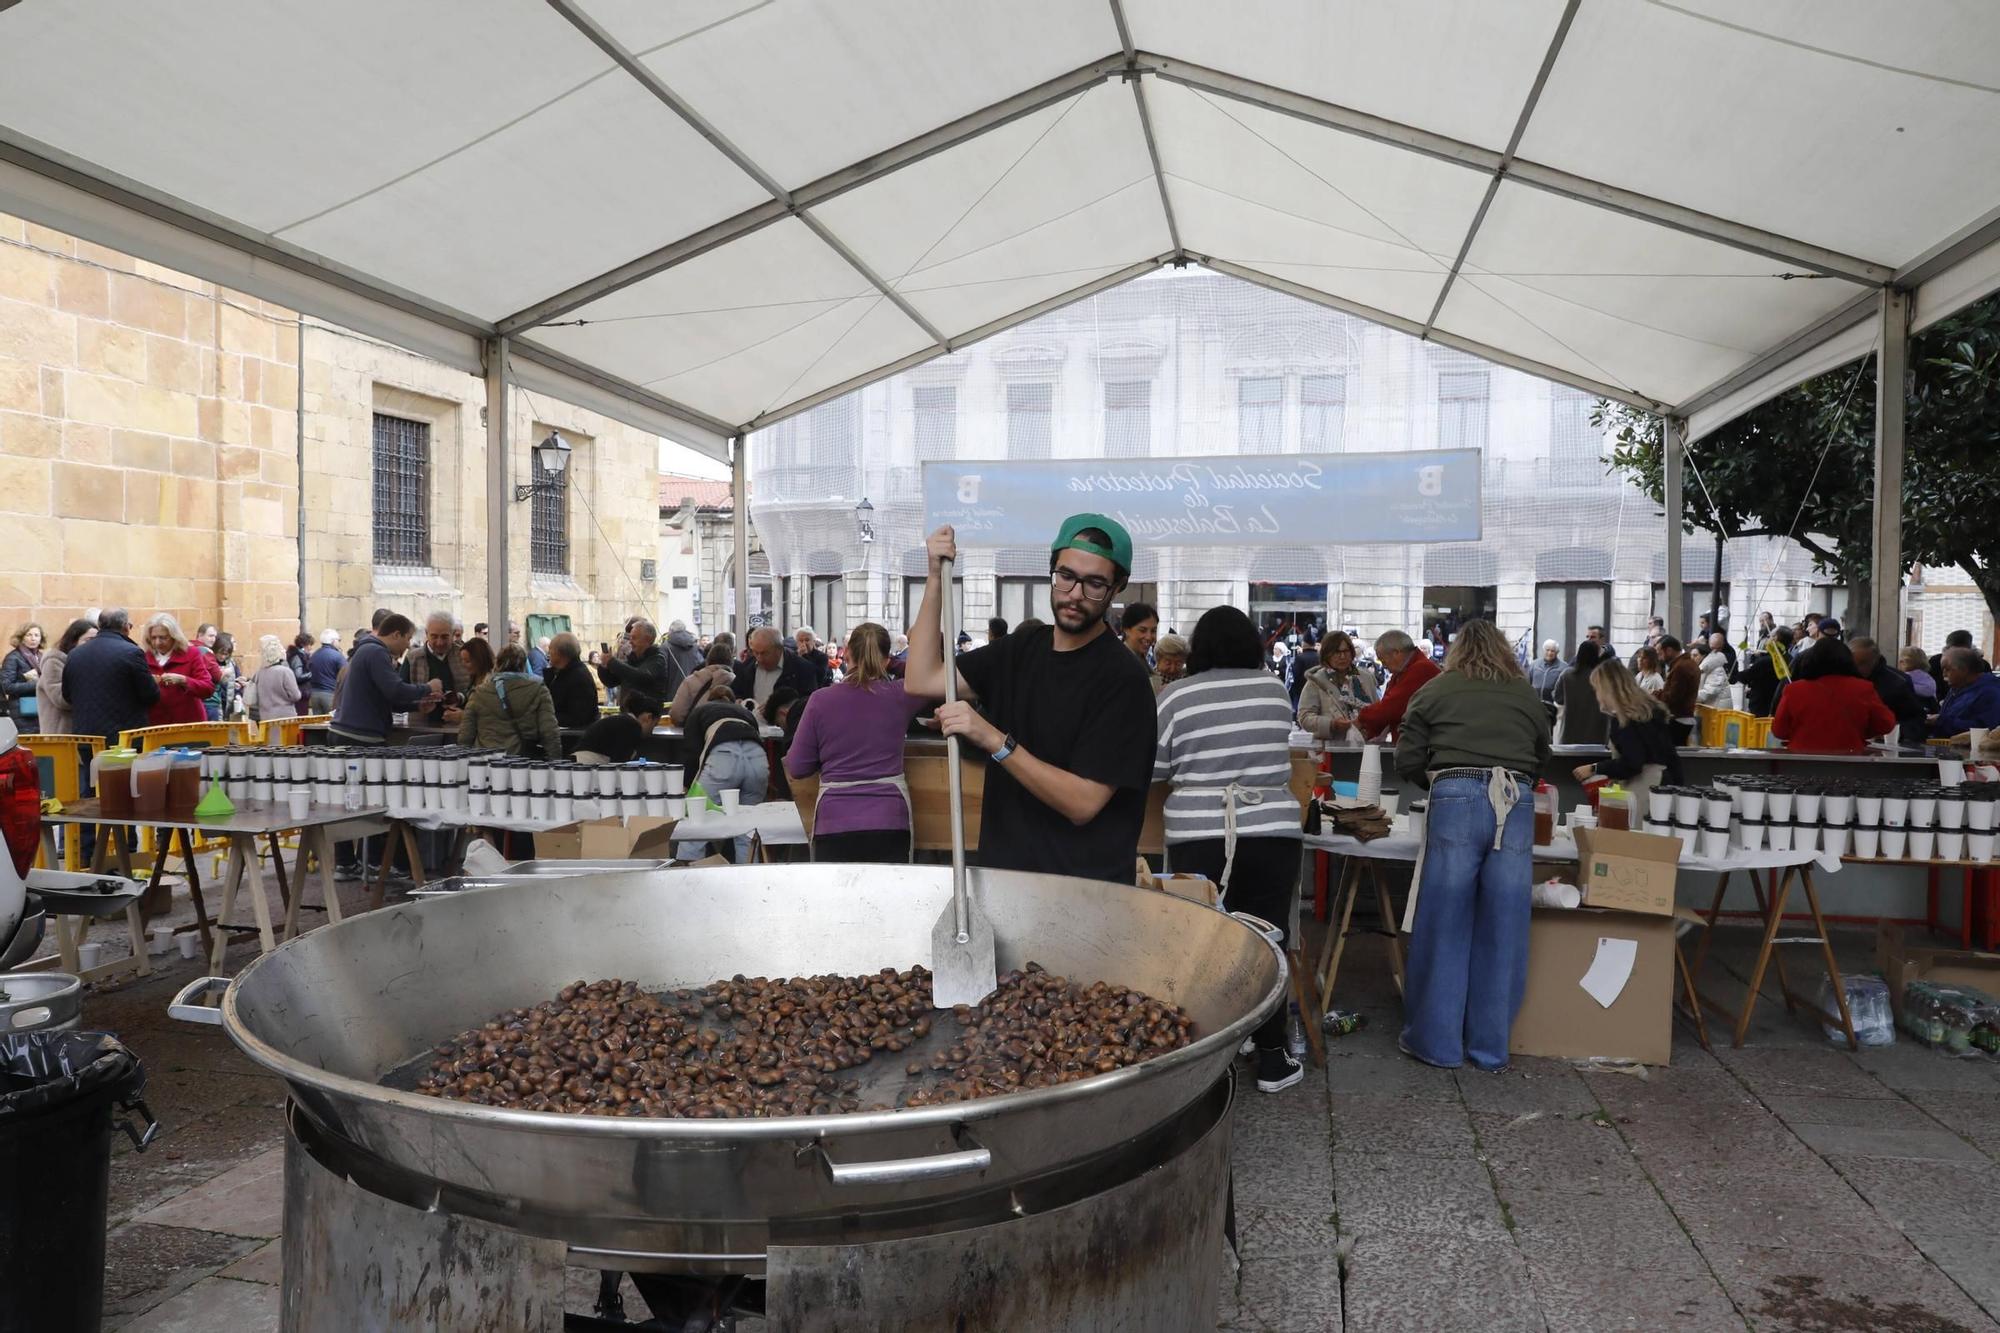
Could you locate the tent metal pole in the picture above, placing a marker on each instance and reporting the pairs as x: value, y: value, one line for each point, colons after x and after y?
x: 739, y: 504
x: 499, y: 499
x: 1891, y: 366
x: 1673, y: 436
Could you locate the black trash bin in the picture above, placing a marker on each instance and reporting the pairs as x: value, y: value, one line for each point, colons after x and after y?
x: 60, y: 1093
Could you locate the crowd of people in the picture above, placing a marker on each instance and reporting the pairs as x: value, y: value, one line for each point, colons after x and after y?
x: 1076, y: 716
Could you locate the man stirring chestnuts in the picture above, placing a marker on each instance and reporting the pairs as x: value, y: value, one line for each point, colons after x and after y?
x: 1065, y: 714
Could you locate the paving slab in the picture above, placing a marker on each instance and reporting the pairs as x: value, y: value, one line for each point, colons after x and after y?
x: 1548, y: 1086
x: 1732, y: 1207
x: 211, y: 1305
x: 1419, y: 1129
x: 1287, y: 1295
x: 1572, y: 1153
x: 1446, y: 1282
x: 1802, y: 1073
x: 265, y: 1264
x: 1381, y: 1192
x: 1939, y: 1198
x: 1933, y: 1145
x: 1389, y: 1076
x: 1275, y: 1232
x: 1976, y: 1115
x: 247, y: 1200
x: 1973, y: 1262
x: 1845, y: 1291
x: 1857, y: 1112
x: 1593, y: 1298
x: 1909, y: 1067
x: 1627, y: 1228
x: 144, y: 1264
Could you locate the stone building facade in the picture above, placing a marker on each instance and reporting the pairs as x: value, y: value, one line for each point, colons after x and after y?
x: 150, y: 451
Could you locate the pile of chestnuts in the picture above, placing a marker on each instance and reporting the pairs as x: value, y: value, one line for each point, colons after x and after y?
x: 758, y: 1046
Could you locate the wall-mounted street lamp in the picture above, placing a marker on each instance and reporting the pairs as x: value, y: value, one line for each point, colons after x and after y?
x: 864, y: 520
x: 551, y: 461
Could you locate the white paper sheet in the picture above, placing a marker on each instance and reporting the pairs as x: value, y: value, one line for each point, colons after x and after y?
x: 1610, y: 969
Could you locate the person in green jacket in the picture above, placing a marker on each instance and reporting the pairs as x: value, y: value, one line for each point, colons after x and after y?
x: 1476, y: 736
x: 511, y: 710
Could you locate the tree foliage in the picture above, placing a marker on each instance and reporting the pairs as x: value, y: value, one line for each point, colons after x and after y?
x: 1803, y: 464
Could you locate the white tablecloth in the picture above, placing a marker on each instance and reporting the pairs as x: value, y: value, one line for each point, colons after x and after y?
x: 777, y: 822
x: 1403, y: 847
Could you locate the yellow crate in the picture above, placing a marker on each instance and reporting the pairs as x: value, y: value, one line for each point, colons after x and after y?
x: 1730, y: 728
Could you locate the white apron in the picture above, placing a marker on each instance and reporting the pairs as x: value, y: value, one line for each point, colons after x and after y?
x: 897, y: 781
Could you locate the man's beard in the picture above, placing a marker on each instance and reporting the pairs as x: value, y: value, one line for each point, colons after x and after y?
x: 1087, y: 615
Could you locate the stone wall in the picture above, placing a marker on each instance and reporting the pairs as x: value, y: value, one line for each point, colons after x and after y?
x: 147, y: 441
x: 149, y: 447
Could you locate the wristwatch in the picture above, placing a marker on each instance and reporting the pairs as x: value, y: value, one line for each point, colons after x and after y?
x: 1006, y: 748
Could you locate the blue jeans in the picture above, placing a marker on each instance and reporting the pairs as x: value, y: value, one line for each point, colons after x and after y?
x: 740, y: 766
x: 1468, y: 965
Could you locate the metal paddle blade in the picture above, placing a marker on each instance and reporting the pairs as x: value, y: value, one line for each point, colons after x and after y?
x: 962, y: 973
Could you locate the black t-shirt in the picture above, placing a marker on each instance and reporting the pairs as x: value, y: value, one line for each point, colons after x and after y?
x: 1089, y: 712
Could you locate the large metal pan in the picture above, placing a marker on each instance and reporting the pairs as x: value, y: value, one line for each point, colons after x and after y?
x: 334, y: 1011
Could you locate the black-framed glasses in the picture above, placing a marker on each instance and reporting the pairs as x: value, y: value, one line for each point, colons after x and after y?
x: 1067, y: 580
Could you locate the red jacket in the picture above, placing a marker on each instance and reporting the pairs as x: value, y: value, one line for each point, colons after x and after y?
x: 1386, y: 713
x: 1831, y: 715
x: 181, y: 703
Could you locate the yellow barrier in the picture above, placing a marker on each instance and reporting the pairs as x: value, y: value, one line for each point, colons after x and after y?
x: 291, y: 730
x: 202, y: 735
x: 69, y: 757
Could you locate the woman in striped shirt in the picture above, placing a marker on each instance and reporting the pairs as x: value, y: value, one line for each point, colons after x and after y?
x: 1225, y: 744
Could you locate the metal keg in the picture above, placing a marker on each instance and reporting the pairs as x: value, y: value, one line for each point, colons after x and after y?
x: 40, y: 1002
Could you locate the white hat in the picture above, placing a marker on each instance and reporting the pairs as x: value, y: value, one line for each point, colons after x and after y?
x: 329, y: 636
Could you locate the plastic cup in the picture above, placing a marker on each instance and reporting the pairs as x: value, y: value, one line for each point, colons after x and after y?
x: 1979, y: 846
x: 677, y: 807
x: 1660, y: 807
x: 1715, y: 811
x: 1951, y: 845
x: 1715, y: 843
x: 1868, y: 809
x: 392, y: 767
x: 1834, y: 838
x: 606, y: 779
x: 160, y: 939
x: 1839, y: 809
x: 261, y: 764
x: 1752, y: 801
x: 299, y: 803
x: 1895, y: 842
x: 1780, y: 837
x: 1781, y: 805
x: 1687, y: 807
x: 1805, y: 837
x: 1923, y: 812
x: 562, y: 809
x: 190, y: 944
x: 1751, y: 833
x: 655, y: 778
x: 1951, y: 812
x: 1807, y: 805
x: 371, y: 768
x: 538, y: 779
x: 1387, y: 800
x: 1867, y: 841
x: 90, y: 956
x: 676, y: 782
x: 1923, y: 844
x: 1895, y: 811
x: 1979, y: 816
x: 433, y: 768
x: 731, y: 799
x: 299, y: 766
x: 628, y: 780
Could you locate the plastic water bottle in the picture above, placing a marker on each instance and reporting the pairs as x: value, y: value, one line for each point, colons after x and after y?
x: 1295, y: 1033
x: 350, y: 796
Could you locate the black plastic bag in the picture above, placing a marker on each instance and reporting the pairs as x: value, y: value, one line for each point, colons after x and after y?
x: 42, y: 1072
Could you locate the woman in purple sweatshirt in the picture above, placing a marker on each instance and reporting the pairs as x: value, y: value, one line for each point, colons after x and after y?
x: 852, y: 737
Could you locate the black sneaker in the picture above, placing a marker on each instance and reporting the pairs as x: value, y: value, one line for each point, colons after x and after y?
x: 346, y: 873
x: 1277, y: 1070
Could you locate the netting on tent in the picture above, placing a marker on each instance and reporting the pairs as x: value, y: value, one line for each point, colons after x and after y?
x: 1199, y: 363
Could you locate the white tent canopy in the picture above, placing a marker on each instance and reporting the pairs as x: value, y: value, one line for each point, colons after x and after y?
x: 708, y: 215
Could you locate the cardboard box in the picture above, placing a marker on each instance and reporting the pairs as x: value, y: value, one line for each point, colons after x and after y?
x: 1559, y: 1018
x: 1631, y: 872
x: 1194, y: 888
x: 1902, y: 958
x: 639, y: 838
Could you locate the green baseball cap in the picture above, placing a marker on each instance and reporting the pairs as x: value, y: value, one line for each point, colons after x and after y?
x: 1118, y: 550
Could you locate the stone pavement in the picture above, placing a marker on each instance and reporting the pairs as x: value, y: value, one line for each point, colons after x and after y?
x: 1786, y: 1186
